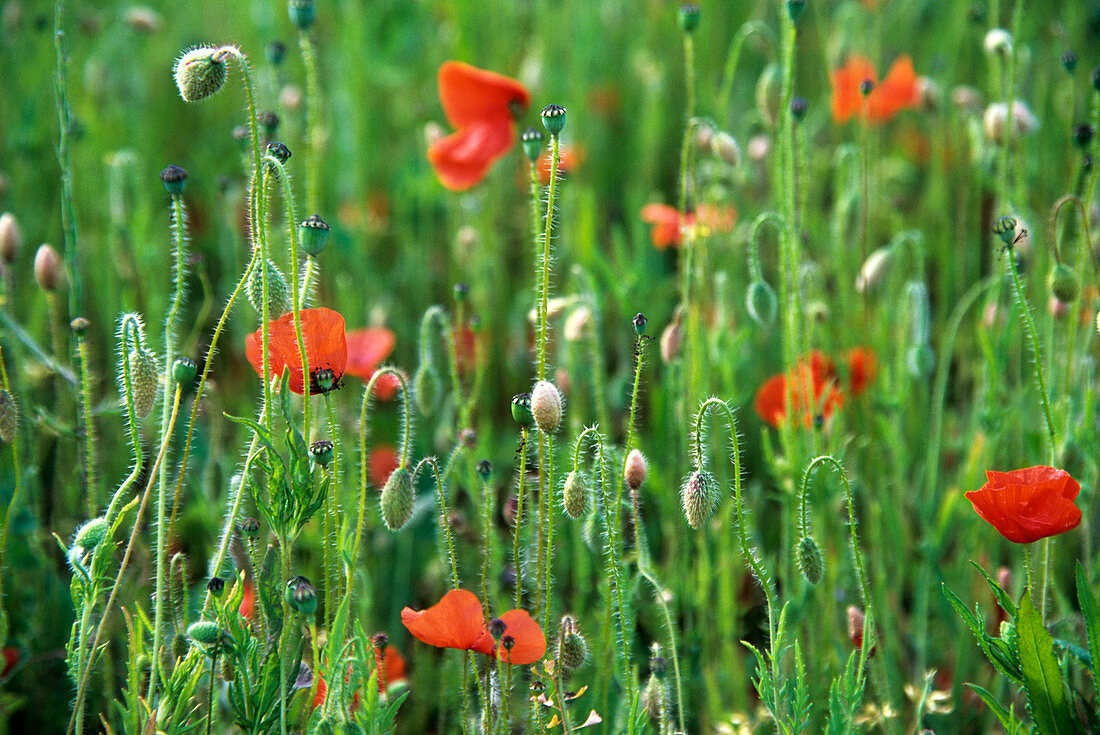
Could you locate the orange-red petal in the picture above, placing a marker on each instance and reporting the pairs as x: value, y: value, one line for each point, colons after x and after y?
x: 326, y: 347
x: 367, y: 348
x: 470, y: 95
x: 897, y: 92
x: 462, y: 159
x: 666, y: 224
x: 862, y: 366
x: 456, y: 621
x: 381, y: 463
x: 247, y: 608
x: 1028, y: 504
x: 530, y: 643
x: 847, y: 98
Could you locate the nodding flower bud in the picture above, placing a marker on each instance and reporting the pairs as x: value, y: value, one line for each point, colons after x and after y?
x: 810, y: 561
x: 204, y: 633
x: 301, y: 596
x: 856, y: 619
x: 173, y: 177
x: 11, y: 238
x: 1063, y: 283
x: 532, y: 144
x: 574, y: 495
x: 269, y: 121
x: 1069, y: 60
x: 184, y: 370
x: 216, y: 586
x: 521, y: 410
x: 398, y: 497
x: 276, y: 52
x: 874, y: 269
x: 314, y: 233
x: 998, y: 42
x: 546, y: 406
x: 426, y: 388
x: 278, y: 151
x: 144, y: 380
x: 724, y: 145
x: 322, y: 452
x: 79, y: 326
x: 9, y: 417
x: 652, y: 699
x: 302, y: 13
x: 640, y: 321
x: 572, y: 647
x: 201, y: 71
x: 278, y: 291
x: 47, y: 268
x: 1005, y: 228
x: 250, y: 527
x: 635, y: 470
x: 553, y: 119
x: 688, y: 17
x: 920, y: 360
x: 762, y: 303
x: 91, y: 534
x: 795, y: 8
x: 672, y: 338
x: 699, y: 495
x: 798, y: 108
x: 497, y: 628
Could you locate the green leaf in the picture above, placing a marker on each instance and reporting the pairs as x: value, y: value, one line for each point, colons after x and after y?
x: 1092, y: 620
x: 1005, y: 717
x: 1042, y: 677
x: 262, y: 434
x: 1006, y: 602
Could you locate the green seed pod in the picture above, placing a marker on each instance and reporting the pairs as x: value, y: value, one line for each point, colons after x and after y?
x: 700, y: 495
x: 1064, y: 284
x: 769, y: 93
x: 795, y: 8
x: 201, y: 72
x: 572, y: 647
x: 553, y: 119
x: 9, y: 417
x: 920, y: 359
x: 301, y: 596
x: 688, y: 17
x: 809, y: 560
x: 762, y: 303
x: 184, y: 370
x: 640, y: 322
x: 250, y: 528
x: 204, y: 633
x: 521, y: 410
x: 229, y: 669
x: 180, y: 646
x: 144, y: 380
x: 173, y: 177
x: 302, y: 13
x: 397, y: 500
x: 532, y: 144
x: 426, y: 389
x: 575, y: 495
x: 278, y: 292
x: 92, y: 534
x: 322, y: 452
x: 314, y: 233
x: 1005, y: 228
x: 546, y: 406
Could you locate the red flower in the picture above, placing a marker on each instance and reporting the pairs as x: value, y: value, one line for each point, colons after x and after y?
x: 367, y: 348
x: 481, y: 105
x: 457, y: 621
x: 897, y: 92
x: 1028, y: 504
x: 326, y: 349
x: 381, y: 462
x: 666, y: 222
x: 392, y: 668
x: 569, y: 157
x: 862, y: 367
x: 247, y: 607
x: 819, y: 374
x: 11, y: 658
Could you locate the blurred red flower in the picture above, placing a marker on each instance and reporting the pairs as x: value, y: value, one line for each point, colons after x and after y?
x: 247, y: 608
x: 381, y: 462
x: 862, y: 366
x: 897, y: 92
x: 818, y: 373
x: 392, y: 669
x: 666, y: 222
x: 569, y: 157
x: 1028, y: 504
x: 367, y: 348
x: 326, y: 348
x: 482, y: 106
x: 457, y: 621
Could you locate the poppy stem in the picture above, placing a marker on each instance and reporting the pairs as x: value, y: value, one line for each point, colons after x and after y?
x: 733, y: 58
x: 444, y: 514
x: 517, y: 526
x: 211, y: 693
x: 16, y: 474
x: 312, y: 119
x: 90, y: 440
x: 332, y: 515
x: 1044, y: 556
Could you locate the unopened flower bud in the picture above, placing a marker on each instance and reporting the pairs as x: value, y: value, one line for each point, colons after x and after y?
x: 856, y: 619
x: 998, y: 42
x: 497, y: 628
x: 9, y: 417
x: 699, y: 496
x: 635, y: 470
x: 798, y: 108
x: 269, y: 121
x: 1064, y: 284
x: 532, y: 143
x: 485, y: 470
x: 278, y: 151
x: 640, y: 323
x: 314, y: 234
x: 577, y: 323
x: 920, y: 359
x: 11, y: 238
x: 204, y: 633
x: 575, y: 495
x: 47, y: 268
x: 688, y: 17
x: 201, y: 72
x: 762, y: 303
x: 398, y: 497
x: 873, y: 270
x: 91, y: 534
x: 553, y: 118
x: 79, y: 325
x: 725, y: 147
x: 672, y: 339
x: 769, y: 93
x: 144, y: 380
x: 173, y: 177
x: 1069, y: 60
x: 546, y: 406
x: 301, y: 596
x: 995, y: 122
x: 278, y: 291
x: 572, y: 647
x: 275, y: 52
x: 1005, y: 228
x: 302, y: 13
x: 809, y: 560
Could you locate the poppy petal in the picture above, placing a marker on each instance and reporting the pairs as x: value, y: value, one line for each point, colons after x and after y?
x: 367, y: 348
x: 470, y: 95
x: 530, y: 643
x: 897, y: 92
x: 847, y: 98
x: 456, y: 621
x: 462, y: 159
x: 1028, y: 504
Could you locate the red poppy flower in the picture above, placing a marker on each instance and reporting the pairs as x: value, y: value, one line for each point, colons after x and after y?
x: 1028, y: 504
x: 457, y: 621
x: 897, y: 92
x: 381, y: 462
x: 11, y: 658
x: 326, y: 349
x: 481, y: 105
x: 862, y: 366
x: 569, y: 157
x: 247, y: 607
x: 367, y: 348
x: 666, y: 222
x: 818, y: 374
x: 392, y: 669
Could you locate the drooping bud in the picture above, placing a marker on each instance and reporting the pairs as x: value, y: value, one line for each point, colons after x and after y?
x: 144, y: 380
x: 672, y: 338
x: 810, y: 561
x: 688, y: 17
x: 635, y: 471
x: 532, y: 144
x: 278, y: 151
x: 178, y: 587
x: 201, y: 71
x: 699, y: 495
x: 874, y: 269
x: 79, y: 326
x: 553, y: 119
x: 572, y: 647
x: 91, y: 534
x: 769, y: 93
x: 577, y: 324
x: 11, y: 238
x: 314, y: 233
x: 1063, y: 283
x: 301, y: 596
x: 652, y: 699
x: 575, y: 495
x: 398, y: 497
x: 174, y: 178
x: 184, y: 370
x: 762, y: 303
x: 47, y: 268
x: 920, y: 359
x: 9, y: 417
x: 521, y: 410
x: 856, y: 619
x: 278, y: 292
x: 275, y: 52
x: 204, y: 632
x: 484, y: 470
x: 546, y: 406
x: 426, y: 389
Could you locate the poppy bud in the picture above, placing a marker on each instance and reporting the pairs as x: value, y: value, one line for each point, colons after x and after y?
x: 546, y: 406
x: 228, y: 669
x: 688, y: 17
x: 532, y: 144
x: 201, y: 72
x: 184, y: 370
x: 302, y: 13
x: 79, y: 325
x: 856, y: 619
x: 521, y: 410
x: 1069, y: 60
x: 47, y: 268
x: 278, y: 151
x: 276, y: 52
x: 484, y: 470
x: 278, y: 292
x: 920, y: 359
x: 11, y: 238
x: 577, y: 324
x: 672, y: 339
x: 725, y: 147
x: 700, y: 496
x: 173, y: 177
x: 301, y: 596
x: 397, y: 499
x: 553, y: 119
x: 640, y: 323
x: 1005, y: 228
x: 809, y: 560
x: 314, y: 234
x: 572, y: 647
x: 1063, y: 283
x: 798, y: 108
x: 635, y: 470
x: 998, y: 127
x: 1082, y: 135
x: 762, y: 303
x: 322, y: 452
x: 574, y: 495
x: 998, y: 42
x: 250, y: 527
x: 9, y: 417
x: 91, y: 534
x: 216, y: 586
x: 144, y: 381
x: 769, y: 93
x: 795, y: 9
x: 204, y: 633
x: 497, y: 628
x: 651, y: 699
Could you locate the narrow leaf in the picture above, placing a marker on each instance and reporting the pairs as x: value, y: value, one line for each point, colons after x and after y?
x: 1092, y: 620
x: 1007, y: 719
x: 999, y: 592
x: 1042, y: 677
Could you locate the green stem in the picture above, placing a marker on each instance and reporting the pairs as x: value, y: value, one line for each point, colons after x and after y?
x: 332, y: 514
x: 733, y: 57
x: 313, y: 123
x: 89, y: 427
x: 444, y: 514
x: 518, y: 525
x: 64, y: 118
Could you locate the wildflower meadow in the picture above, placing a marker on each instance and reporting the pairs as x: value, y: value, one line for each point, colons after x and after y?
x: 603, y: 366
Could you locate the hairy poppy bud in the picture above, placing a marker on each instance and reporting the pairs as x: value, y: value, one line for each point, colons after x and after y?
x: 497, y: 628
x: 47, y: 268
x: 275, y: 52
x: 216, y: 586
x: 201, y: 72
x: 79, y: 325
x: 144, y: 380
x: 426, y: 389
x: 640, y: 323
x: 577, y: 324
x: 873, y: 270
x: 798, y: 108
x: 636, y: 469
x: 278, y: 292
x: 998, y: 42
x: 553, y: 118
x: 521, y: 410
x: 652, y: 697
x: 572, y: 647
x: 302, y: 13
x: 688, y: 17
x: 173, y: 177
x: 1069, y: 60
x: 184, y: 370
x: 11, y: 238
x: 250, y: 527
x: 769, y: 93
x: 762, y: 303
x: 204, y: 632
x: 809, y: 560
x: 546, y: 406
x: 322, y: 452
x: 314, y: 233
x: 700, y: 496
x: 301, y: 596
x: 9, y: 417
x: 532, y: 144
x: 91, y: 534
x: 398, y: 496
x: 574, y: 495
x: 1063, y: 283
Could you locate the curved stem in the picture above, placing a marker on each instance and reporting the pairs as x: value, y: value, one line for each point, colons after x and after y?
x: 129, y: 332
x: 733, y: 58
